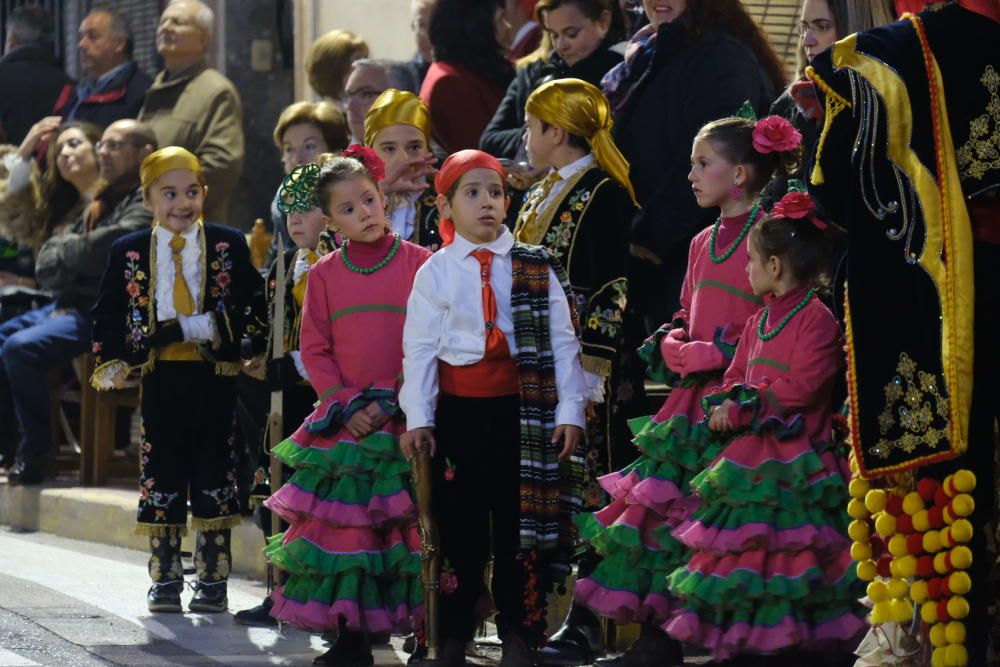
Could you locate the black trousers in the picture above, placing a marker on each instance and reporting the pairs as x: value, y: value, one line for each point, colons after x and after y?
x: 188, y: 449
x: 477, y: 508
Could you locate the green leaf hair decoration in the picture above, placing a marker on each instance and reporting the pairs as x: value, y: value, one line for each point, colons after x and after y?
x: 795, y: 185
x: 746, y: 111
x: 298, y: 190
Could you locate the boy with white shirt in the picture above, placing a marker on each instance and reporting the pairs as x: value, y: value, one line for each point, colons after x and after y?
x: 581, y: 214
x: 494, y: 388
x: 174, y: 304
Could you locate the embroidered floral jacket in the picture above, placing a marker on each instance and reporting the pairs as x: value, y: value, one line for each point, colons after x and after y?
x: 125, y: 326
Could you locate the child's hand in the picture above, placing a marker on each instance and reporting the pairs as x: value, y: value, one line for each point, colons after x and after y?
x: 720, y: 420
x: 571, y: 437
x: 416, y: 440
x: 409, y: 176
x: 360, y: 424
x: 124, y: 379
x: 670, y: 349
x: 378, y: 415
x: 255, y: 368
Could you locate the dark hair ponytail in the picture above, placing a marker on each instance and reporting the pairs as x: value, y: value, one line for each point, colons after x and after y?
x: 804, y: 246
x: 732, y: 138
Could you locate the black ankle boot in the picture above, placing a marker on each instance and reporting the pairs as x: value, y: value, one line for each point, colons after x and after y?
x: 576, y: 642
x: 165, y: 598
x: 212, y: 558
x: 352, y: 649
x: 167, y: 574
x: 653, y: 648
x: 259, y: 616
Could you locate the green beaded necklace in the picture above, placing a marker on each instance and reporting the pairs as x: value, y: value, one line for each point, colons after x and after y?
x: 739, y: 239
x: 784, y: 321
x: 372, y: 269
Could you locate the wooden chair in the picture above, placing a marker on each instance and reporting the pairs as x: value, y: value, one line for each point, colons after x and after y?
x: 98, y: 426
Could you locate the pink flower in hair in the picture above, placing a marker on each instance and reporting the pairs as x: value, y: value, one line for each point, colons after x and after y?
x: 369, y: 158
x: 774, y: 134
x: 797, y: 206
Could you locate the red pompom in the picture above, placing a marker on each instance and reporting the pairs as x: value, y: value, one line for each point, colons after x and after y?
x: 934, y: 587
x: 925, y: 567
x: 878, y: 546
x: 894, y: 504
x: 942, y: 609
x: 927, y: 487
x: 882, y: 566
x: 935, y: 517
x: 940, y: 497
x: 904, y: 524
x: 915, y: 543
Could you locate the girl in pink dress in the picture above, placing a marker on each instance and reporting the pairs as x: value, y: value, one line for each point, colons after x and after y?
x: 770, y: 567
x: 732, y: 159
x: 352, y: 553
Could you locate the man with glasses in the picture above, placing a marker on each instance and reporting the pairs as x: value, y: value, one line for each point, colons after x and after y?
x: 70, y: 265
x: 368, y: 79
x: 194, y: 106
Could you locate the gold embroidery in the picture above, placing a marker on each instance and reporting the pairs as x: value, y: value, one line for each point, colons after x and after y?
x: 981, y: 153
x: 914, y: 413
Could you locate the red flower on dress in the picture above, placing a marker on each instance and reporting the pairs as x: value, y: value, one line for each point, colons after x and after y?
x: 449, y: 470
x: 223, y: 279
x: 369, y: 158
x: 221, y: 245
x: 774, y: 134
x: 448, y: 582
x: 132, y: 288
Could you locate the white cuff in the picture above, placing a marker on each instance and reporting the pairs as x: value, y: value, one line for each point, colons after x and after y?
x: 299, y: 366
x: 18, y: 172
x: 198, y: 328
x: 572, y: 412
x: 595, y: 386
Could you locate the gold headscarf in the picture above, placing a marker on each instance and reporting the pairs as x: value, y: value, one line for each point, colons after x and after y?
x: 582, y: 109
x: 164, y: 160
x: 396, y: 107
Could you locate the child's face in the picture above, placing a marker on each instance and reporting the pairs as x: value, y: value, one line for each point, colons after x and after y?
x: 305, y: 227
x: 399, y: 143
x: 712, y: 176
x: 478, y: 207
x: 357, y: 210
x: 540, y: 143
x: 176, y: 199
x: 763, y: 272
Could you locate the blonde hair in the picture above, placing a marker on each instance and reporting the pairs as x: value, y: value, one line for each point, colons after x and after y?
x: 324, y: 115
x: 329, y: 59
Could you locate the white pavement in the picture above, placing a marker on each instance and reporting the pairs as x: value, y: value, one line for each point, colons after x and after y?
x: 94, y: 596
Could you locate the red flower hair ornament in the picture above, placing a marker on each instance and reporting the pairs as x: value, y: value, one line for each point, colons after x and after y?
x: 774, y: 134
x: 369, y: 158
x: 797, y: 206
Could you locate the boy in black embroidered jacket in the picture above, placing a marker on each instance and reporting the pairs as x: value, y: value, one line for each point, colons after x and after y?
x: 174, y: 303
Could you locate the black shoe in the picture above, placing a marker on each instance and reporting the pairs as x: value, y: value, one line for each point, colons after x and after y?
x: 165, y: 598
x: 653, y: 648
x: 571, y: 645
x: 516, y: 652
x: 351, y: 649
x: 26, y: 474
x: 209, y: 598
x: 259, y: 616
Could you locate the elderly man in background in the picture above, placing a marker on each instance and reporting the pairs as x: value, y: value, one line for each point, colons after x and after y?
x: 194, y: 106
x: 70, y: 265
x: 113, y: 86
x: 368, y: 79
x: 30, y: 75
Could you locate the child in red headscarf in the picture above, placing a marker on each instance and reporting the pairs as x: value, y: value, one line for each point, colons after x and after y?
x: 495, y: 390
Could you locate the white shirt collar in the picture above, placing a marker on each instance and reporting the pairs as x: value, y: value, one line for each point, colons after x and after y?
x: 189, y: 234
x: 576, y: 166
x: 462, y: 247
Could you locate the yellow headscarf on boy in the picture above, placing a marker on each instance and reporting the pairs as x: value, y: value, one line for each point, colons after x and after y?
x: 582, y: 109
x: 164, y: 160
x: 396, y: 107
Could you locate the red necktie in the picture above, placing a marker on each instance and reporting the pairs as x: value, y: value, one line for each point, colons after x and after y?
x: 495, y: 340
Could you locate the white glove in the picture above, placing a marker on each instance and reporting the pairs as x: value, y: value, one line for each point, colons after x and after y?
x: 299, y: 366
x: 595, y: 386
x: 198, y: 328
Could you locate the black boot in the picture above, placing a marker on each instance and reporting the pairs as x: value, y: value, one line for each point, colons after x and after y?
x: 352, y: 649
x: 167, y: 574
x: 576, y: 642
x: 516, y: 652
x: 259, y: 616
x: 212, y: 558
x: 653, y: 648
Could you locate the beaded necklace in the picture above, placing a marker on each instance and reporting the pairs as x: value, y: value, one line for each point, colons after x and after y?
x: 784, y: 321
x: 739, y: 239
x: 372, y: 269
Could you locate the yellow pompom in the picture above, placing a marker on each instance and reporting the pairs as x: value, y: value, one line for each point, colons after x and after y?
x: 875, y: 500
x: 853, y: 462
x: 858, y: 487
x: 955, y: 632
x: 940, y: 564
x: 932, y: 541
x: 947, y: 541
x: 958, y: 607
x: 856, y: 509
x: 955, y: 655
x: 877, y: 591
x: 897, y: 546
x: 928, y: 612
x: 907, y: 566
x: 964, y: 481
x: 894, y: 568
x: 901, y: 610
x: 959, y: 583
x: 918, y: 591
x: 898, y: 588
x: 859, y: 531
x: 912, y: 503
x: 948, y: 517
x: 867, y: 570
x: 885, y: 524
x: 937, y: 635
x: 961, y: 531
x: 881, y: 613
x: 937, y: 658
x: 861, y: 551
x: 962, y: 505
x: 961, y: 558
x: 920, y: 521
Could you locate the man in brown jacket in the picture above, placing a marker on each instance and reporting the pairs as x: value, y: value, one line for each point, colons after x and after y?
x: 194, y: 106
